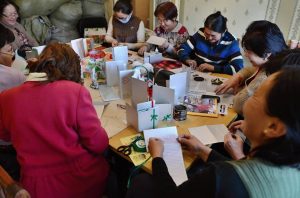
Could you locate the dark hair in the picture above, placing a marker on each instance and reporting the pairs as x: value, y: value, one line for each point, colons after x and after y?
x: 282, y: 101
x: 216, y: 22
x: 263, y: 38
x: 6, y: 37
x: 123, y: 6
x: 59, y: 62
x: 4, y: 3
x: 285, y: 58
x: 166, y: 9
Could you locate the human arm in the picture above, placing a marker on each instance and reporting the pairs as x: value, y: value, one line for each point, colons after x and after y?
x: 92, y: 135
x: 232, y: 83
x: 140, y: 38
x: 186, y: 50
x: 234, y: 60
x: 109, y: 34
x: 234, y: 146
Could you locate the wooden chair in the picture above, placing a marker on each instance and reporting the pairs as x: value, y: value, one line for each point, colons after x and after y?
x: 10, y: 189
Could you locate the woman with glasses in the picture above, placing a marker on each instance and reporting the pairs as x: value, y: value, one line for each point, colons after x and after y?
x: 9, y: 77
x: 213, y: 48
x: 9, y: 18
x: 261, y: 42
x: 124, y: 28
x: 169, y: 28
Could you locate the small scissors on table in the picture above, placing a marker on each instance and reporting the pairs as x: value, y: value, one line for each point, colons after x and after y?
x: 126, y: 150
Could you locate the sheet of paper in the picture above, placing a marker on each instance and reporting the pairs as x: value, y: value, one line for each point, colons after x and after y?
x: 178, y: 83
x: 163, y: 95
x: 39, y: 49
x: 125, y: 83
x: 111, y: 121
x: 108, y: 93
x: 138, y: 91
x: 78, y: 47
x: 120, y: 53
x: 172, y: 152
x: 155, y: 40
x: 112, y: 69
x: 209, y: 134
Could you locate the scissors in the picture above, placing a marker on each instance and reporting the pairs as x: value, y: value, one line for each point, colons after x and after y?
x: 126, y: 150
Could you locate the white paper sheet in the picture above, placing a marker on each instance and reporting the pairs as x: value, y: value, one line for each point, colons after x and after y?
x: 125, y: 83
x: 155, y: 40
x: 112, y: 69
x: 120, y: 53
x: 78, y: 47
x: 172, y: 152
x: 209, y: 134
x: 178, y: 83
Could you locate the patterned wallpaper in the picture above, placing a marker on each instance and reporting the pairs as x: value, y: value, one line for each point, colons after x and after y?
x: 238, y: 12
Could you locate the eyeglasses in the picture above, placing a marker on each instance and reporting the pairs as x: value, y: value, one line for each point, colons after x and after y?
x: 162, y: 21
x: 15, y: 14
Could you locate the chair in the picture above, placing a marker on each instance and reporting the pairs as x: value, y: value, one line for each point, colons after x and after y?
x: 9, y: 188
x: 91, y: 22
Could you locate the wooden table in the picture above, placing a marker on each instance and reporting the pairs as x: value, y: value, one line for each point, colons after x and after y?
x: 182, y: 128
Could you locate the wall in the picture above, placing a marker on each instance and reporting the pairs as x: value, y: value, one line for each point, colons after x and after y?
x: 285, y: 13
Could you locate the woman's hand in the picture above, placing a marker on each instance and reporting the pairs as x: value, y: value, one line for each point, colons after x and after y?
x: 142, y: 50
x: 195, y: 146
x: 115, y: 43
x: 236, y: 125
x: 205, y: 67
x: 191, y: 63
x: 233, y: 82
x: 234, y: 146
x: 156, y: 147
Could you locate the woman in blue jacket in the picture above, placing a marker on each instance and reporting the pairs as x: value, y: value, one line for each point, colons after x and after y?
x: 212, y: 48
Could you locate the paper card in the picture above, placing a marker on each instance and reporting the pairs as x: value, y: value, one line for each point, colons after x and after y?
x: 155, y: 40
x: 39, y: 49
x: 209, y: 134
x: 78, y: 47
x: 145, y: 105
x: 152, y: 57
x: 112, y: 69
x: 163, y: 95
x: 165, y: 112
x: 139, y: 91
x: 125, y: 83
x: 142, y: 120
x: 172, y: 151
x: 108, y: 93
x: 139, y: 158
x: 120, y: 53
x: 178, y: 83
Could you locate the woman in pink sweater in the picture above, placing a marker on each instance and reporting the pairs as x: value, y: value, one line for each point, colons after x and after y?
x: 55, y: 130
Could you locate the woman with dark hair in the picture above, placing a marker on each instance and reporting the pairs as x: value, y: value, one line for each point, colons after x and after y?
x: 124, y: 28
x: 213, y: 48
x: 51, y: 121
x: 261, y: 42
x: 169, y: 28
x: 9, y: 77
x: 272, y: 169
x: 9, y: 15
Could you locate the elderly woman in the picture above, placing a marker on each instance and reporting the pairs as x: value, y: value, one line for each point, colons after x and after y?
x: 9, y: 15
x: 272, y: 124
x: 262, y: 41
x: 169, y: 28
x: 124, y: 28
x: 51, y: 122
x: 213, y: 48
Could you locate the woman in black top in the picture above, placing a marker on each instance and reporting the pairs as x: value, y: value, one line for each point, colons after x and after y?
x: 272, y: 124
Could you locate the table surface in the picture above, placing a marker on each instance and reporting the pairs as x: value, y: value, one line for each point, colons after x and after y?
x: 182, y: 128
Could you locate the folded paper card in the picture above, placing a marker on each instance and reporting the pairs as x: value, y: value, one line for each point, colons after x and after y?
x: 112, y: 69
x: 120, y: 53
x: 209, y: 134
x: 78, y: 47
x: 125, y: 83
x: 155, y: 40
x: 152, y: 57
x: 143, y: 119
